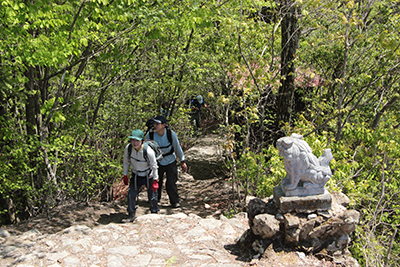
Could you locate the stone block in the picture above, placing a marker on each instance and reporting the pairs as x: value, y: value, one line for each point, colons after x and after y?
x: 306, y: 228
x: 291, y: 221
x: 308, y: 204
x: 292, y: 236
x: 265, y: 225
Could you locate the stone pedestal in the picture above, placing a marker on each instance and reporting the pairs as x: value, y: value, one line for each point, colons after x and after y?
x: 313, y: 224
x: 306, y: 204
x: 301, y: 191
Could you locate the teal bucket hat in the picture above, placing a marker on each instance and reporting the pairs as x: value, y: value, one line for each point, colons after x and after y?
x: 199, y: 99
x: 137, y: 134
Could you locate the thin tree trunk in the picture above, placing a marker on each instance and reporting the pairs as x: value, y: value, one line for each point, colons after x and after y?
x: 171, y: 106
x: 30, y: 107
x: 340, y: 122
x: 290, y: 41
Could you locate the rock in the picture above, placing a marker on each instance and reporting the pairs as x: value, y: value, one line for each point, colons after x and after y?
x: 337, y: 226
x: 339, y: 244
x: 32, y: 232
x: 258, y: 247
x: 4, y: 233
x: 301, y: 255
x: 265, y: 225
x: 292, y: 228
x: 291, y: 221
x: 257, y: 206
x: 292, y: 236
x: 341, y: 199
x: 306, y: 228
x: 205, y: 159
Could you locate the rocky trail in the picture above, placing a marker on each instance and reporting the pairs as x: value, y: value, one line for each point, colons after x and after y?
x: 199, y: 233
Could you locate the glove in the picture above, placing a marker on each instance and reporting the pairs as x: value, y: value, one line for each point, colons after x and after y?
x: 125, y: 179
x: 155, y: 186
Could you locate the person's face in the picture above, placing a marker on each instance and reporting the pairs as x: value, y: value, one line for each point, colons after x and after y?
x: 158, y: 127
x: 136, y: 144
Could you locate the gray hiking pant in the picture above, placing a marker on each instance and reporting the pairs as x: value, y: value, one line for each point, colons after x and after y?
x: 134, y: 191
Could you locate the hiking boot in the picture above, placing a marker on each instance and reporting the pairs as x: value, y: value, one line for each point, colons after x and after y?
x: 175, y: 205
x: 131, y: 218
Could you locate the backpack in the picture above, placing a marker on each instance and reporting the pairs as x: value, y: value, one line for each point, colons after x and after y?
x: 156, y: 148
x: 191, y: 101
x: 146, y: 144
x: 169, y: 136
x: 150, y: 126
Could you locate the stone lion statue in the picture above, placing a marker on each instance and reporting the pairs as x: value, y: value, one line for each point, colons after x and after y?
x: 302, y: 165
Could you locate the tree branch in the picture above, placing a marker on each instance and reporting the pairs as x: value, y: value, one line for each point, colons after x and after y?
x: 388, y: 105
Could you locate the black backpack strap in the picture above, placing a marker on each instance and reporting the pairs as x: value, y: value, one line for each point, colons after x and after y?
x: 169, y: 136
x: 129, y: 150
x: 151, y: 134
x: 145, y: 147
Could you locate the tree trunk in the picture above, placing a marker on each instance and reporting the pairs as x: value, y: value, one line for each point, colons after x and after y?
x: 31, y: 110
x: 290, y: 41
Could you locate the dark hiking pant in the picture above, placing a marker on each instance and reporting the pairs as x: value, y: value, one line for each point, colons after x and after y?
x: 196, y: 117
x: 171, y: 171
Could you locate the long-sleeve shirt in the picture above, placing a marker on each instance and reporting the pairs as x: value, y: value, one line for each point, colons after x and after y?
x: 139, y: 164
x: 195, y: 104
x: 163, y: 142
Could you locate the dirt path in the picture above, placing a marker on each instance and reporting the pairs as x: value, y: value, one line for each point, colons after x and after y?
x: 203, y: 198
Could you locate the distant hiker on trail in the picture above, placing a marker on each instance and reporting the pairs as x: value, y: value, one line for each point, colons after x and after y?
x: 169, y: 144
x: 165, y: 109
x: 144, y: 172
x: 195, y: 107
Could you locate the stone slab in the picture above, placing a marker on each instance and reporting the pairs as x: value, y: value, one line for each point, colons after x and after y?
x: 308, y: 204
x: 300, y: 191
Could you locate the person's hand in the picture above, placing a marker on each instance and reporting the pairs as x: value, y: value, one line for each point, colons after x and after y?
x: 125, y: 178
x: 184, y: 166
x: 155, y: 185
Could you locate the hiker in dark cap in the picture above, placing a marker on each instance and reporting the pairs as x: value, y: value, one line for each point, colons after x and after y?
x: 169, y: 144
x: 144, y: 172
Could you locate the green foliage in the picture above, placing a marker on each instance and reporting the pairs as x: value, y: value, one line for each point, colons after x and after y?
x: 122, y: 59
x: 229, y: 214
x: 15, y: 186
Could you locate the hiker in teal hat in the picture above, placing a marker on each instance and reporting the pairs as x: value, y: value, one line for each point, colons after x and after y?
x: 144, y: 172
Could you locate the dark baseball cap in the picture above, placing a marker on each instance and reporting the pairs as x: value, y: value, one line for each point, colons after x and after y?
x: 160, y: 119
